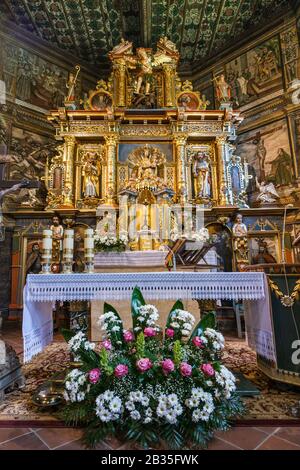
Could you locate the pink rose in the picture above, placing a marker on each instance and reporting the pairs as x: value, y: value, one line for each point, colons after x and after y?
x: 208, y: 369
x: 170, y: 332
x: 128, y: 336
x: 121, y: 370
x: 107, y: 344
x: 185, y: 369
x: 167, y: 366
x: 148, y: 331
x: 94, y: 375
x: 197, y: 341
x: 144, y: 364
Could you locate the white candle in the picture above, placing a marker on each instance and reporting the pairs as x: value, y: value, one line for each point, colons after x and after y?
x: 68, y: 244
x: 89, y: 243
x: 47, y: 244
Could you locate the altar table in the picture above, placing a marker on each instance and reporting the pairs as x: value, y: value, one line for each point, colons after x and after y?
x: 43, y: 290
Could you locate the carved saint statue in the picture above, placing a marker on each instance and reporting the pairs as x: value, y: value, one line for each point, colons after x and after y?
x: 201, y: 172
x: 239, y: 229
x: 240, y: 241
x: 57, y: 238
x: 267, y: 193
x: 90, y: 175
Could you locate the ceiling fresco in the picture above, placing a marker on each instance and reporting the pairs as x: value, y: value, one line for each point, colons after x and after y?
x: 90, y: 28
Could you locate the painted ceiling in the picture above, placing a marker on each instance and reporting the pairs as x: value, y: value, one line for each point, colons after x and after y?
x: 91, y: 28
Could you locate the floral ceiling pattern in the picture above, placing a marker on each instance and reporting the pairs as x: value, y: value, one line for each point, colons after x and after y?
x: 90, y: 28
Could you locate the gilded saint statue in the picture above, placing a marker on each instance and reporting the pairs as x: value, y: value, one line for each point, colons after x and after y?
x: 90, y: 174
x: 201, y: 173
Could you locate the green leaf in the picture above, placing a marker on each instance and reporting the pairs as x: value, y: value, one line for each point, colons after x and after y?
x: 172, y: 436
x: 67, y: 334
x: 208, y: 321
x: 137, y: 300
x: 178, y: 305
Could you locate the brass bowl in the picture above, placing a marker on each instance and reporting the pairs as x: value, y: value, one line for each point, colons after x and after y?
x: 48, y: 395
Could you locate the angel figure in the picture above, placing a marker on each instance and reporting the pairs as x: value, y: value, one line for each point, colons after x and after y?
x: 267, y: 193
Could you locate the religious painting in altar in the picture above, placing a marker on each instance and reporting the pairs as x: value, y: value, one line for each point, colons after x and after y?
x: 31, y: 79
x: 125, y: 149
x: 264, y: 242
x: 268, y: 153
x: 255, y: 73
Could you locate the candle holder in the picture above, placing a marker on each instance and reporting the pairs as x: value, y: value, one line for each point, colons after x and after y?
x: 67, y: 266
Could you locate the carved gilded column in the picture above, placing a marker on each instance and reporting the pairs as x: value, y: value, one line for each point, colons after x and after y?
x: 68, y: 160
x: 169, y: 73
x: 221, y: 154
x: 120, y: 82
x: 180, y: 143
x: 111, y: 180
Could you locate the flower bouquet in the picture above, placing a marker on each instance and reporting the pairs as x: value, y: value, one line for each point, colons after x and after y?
x: 108, y: 242
x: 151, y: 385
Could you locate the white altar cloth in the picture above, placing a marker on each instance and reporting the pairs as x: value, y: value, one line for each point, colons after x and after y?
x: 41, y: 291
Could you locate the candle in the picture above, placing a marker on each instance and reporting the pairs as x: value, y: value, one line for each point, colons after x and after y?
x: 47, y: 244
x: 89, y: 244
x: 68, y: 246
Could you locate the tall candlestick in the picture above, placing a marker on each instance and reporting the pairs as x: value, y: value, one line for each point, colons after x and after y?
x: 47, y: 251
x: 89, y: 251
x: 68, y: 250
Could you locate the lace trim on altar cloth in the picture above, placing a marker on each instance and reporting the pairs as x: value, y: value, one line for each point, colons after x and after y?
x: 158, y: 285
x: 36, y: 340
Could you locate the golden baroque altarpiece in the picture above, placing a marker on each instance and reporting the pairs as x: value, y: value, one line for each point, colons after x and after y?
x: 143, y: 135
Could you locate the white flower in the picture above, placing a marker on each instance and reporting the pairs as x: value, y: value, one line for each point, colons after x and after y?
x: 172, y: 399
x: 161, y: 410
x: 104, y: 416
x: 175, y: 324
x: 148, y: 412
x: 115, y: 405
x: 196, y: 416
x: 147, y: 420
x: 145, y: 401
x: 135, y: 415
x: 171, y: 417
x: 115, y: 328
x: 185, y: 332
x: 130, y: 406
x: 80, y: 396
x: 108, y: 395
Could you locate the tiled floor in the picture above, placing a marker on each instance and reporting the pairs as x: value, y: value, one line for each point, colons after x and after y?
x: 238, y: 438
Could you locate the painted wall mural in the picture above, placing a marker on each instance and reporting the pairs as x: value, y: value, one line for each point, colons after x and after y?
x: 26, y: 158
x: 255, y: 73
x: 31, y: 79
x: 268, y: 153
